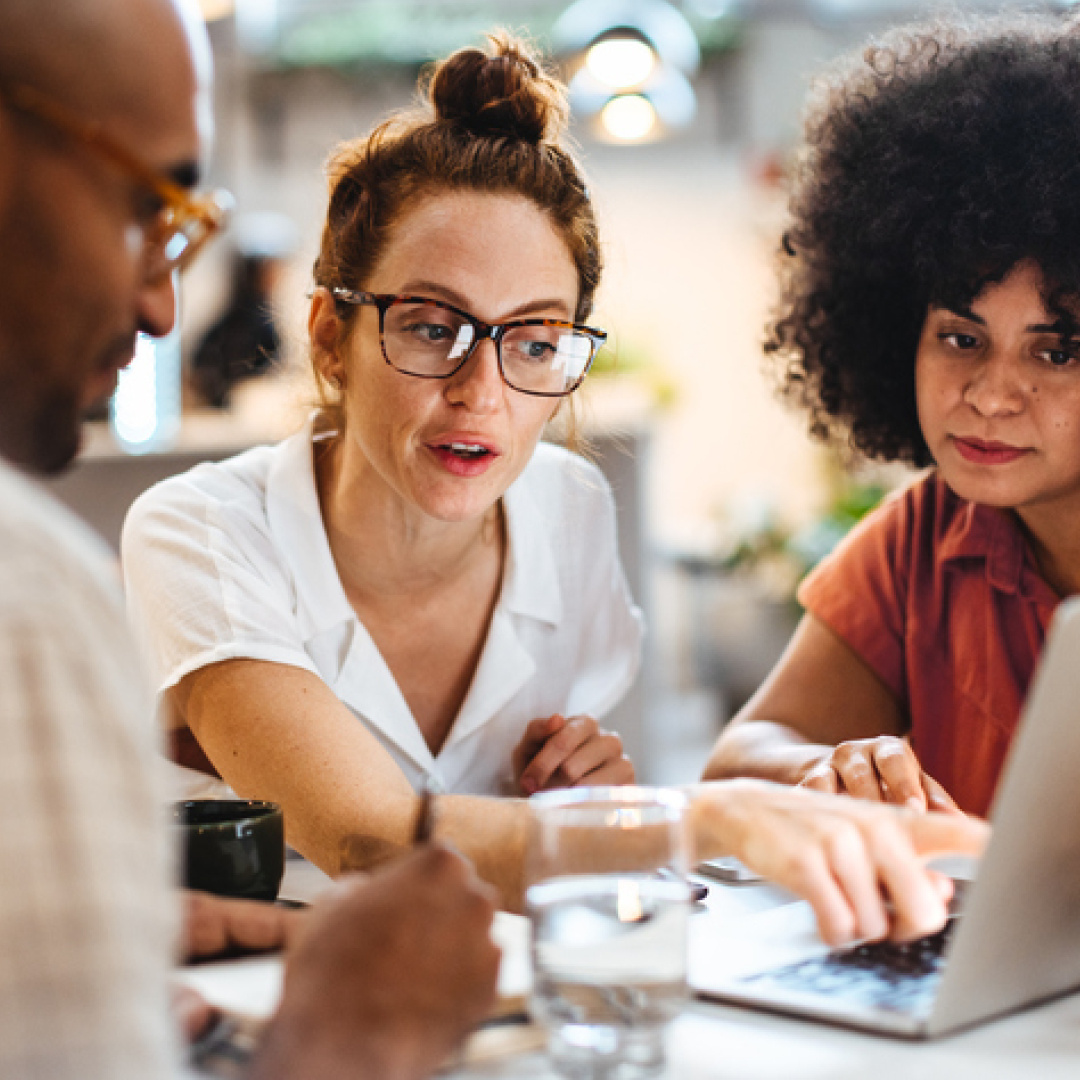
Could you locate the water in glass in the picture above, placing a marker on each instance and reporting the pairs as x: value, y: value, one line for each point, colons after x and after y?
x: 609, y: 963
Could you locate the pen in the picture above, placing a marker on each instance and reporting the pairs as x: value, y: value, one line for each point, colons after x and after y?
x: 425, y: 816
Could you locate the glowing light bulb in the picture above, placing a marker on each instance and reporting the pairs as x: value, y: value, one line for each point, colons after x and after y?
x: 628, y: 118
x: 620, y: 63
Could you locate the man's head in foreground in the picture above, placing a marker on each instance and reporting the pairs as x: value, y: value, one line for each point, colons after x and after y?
x: 100, y: 100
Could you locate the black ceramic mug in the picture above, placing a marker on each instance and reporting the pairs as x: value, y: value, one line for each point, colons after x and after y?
x: 232, y: 847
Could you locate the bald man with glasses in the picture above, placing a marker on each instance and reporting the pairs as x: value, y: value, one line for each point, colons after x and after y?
x: 103, y: 126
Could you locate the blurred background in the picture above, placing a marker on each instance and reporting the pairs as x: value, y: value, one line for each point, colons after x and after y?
x: 685, y: 114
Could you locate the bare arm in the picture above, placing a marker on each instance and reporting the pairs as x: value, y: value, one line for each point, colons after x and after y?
x: 824, y: 719
x: 819, y: 694
x: 279, y: 732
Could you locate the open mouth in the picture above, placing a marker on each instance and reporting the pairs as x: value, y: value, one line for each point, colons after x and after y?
x: 466, y: 451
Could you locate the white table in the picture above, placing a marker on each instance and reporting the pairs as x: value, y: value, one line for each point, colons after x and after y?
x: 714, y: 1042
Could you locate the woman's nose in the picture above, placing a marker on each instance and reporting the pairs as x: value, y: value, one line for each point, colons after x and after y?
x: 996, y: 387
x: 478, y: 384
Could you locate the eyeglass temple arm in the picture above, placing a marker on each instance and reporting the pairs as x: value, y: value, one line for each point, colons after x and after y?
x: 34, y: 103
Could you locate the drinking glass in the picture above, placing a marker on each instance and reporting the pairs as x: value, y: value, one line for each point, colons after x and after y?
x: 609, y: 905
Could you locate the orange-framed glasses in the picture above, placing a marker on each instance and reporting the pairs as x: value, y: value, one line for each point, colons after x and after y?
x: 184, y: 222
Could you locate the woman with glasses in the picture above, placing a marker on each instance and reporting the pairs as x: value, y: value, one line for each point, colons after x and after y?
x: 413, y: 590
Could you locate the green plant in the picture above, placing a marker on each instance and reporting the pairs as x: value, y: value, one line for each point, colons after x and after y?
x: 780, y: 556
x: 633, y: 359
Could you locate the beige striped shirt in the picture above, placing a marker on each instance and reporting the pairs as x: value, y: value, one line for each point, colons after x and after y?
x: 87, y: 919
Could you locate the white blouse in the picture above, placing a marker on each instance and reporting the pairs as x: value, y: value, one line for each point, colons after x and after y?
x: 232, y: 560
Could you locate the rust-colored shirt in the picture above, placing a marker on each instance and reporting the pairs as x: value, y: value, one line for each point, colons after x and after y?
x: 941, y: 598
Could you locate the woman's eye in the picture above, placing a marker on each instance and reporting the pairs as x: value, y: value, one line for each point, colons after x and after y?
x: 1059, y: 357
x: 435, y: 333
x: 532, y: 351
x: 539, y: 350
x: 960, y: 341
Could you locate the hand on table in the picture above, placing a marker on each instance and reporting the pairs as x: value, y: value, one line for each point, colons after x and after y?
x: 882, y: 769
x: 388, y: 974
x: 212, y: 925
x: 861, y: 865
x: 556, y: 752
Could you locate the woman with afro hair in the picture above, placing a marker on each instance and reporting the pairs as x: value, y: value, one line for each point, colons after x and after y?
x: 930, y: 314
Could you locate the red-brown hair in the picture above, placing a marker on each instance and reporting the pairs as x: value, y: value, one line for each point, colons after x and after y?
x: 490, y: 121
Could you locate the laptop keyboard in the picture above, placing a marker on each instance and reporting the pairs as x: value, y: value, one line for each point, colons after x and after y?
x: 884, y: 975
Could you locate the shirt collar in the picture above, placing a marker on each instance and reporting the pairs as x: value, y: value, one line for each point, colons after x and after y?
x: 530, y: 589
x: 991, y: 534
x: 296, y: 523
x: 531, y: 584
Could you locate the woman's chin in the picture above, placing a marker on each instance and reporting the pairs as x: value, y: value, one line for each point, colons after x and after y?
x: 452, y: 498
x: 457, y: 501
x: 1001, y: 491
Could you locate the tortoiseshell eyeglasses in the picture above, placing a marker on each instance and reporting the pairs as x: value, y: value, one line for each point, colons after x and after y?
x: 432, y: 339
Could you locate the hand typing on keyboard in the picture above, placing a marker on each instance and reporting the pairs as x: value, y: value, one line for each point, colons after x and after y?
x: 861, y: 865
x: 884, y: 975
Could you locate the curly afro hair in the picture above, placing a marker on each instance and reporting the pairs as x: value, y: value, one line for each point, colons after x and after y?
x: 933, y: 164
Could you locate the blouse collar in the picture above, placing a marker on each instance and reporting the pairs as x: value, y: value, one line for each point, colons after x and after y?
x: 530, y: 582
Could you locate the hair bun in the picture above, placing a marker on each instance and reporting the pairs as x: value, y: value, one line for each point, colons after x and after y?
x: 501, y: 93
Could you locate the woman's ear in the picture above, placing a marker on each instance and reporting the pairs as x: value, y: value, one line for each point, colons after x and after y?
x: 326, y: 333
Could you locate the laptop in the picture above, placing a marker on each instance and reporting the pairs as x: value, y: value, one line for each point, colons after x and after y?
x: 1017, y: 940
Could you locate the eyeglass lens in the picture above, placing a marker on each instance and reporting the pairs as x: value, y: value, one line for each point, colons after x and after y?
x: 174, y: 241
x: 170, y: 248
x: 428, y: 340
